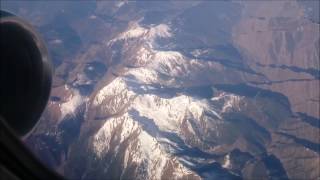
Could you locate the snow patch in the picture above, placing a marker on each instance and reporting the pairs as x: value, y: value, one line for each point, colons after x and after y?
x: 90, y: 68
x: 230, y: 102
x: 144, y: 55
x: 168, y: 113
x: 227, y: 162
x: 198, y: 52
x: 116, y: 87
x: 144, y: 75
x: 102, y: 139
x: 92, y: 17
x: 120, y: 4
x: 190, y: 128
x: 136, y: 31
x: 172, y: 63
x: 167, y: 56
x: 161, y: 30
x: 70, y: 106
x: 144, y: 150
x: 114, y: 97
x: 56, y: 41
x: 82, y: 79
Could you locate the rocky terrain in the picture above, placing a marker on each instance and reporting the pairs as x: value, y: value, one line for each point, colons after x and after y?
x: 180, y: 90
